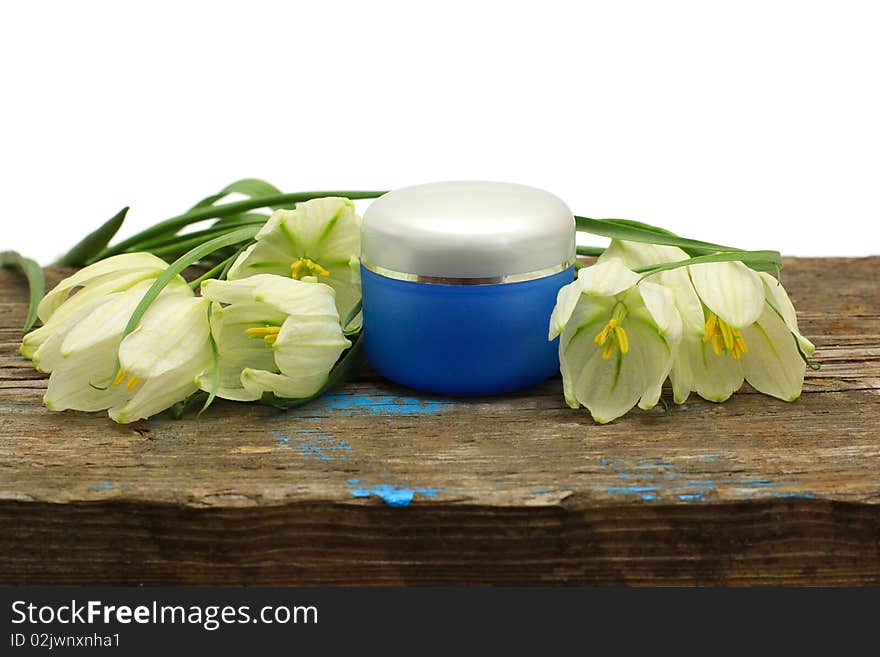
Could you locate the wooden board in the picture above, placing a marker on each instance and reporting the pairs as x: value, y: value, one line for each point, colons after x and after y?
x: 377, y: 485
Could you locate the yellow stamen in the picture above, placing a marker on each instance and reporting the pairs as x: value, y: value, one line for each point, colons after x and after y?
x: 726, y: 335
x: 711, y: 324
x: 608, y: 350
x: 262, y: 330
x: 120, y: 377
x: 622, y: 339
x: 603, y: 334
x: 724, y: 338
x: 612, y: 336
x: 132, y: 382
x: 306, y: 267
x: 268, y: 333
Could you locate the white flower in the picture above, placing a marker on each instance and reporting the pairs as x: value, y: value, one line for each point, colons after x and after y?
x: 163, y: 357
x: 746, y: 327
x: 617, y: 342
x: 750, y: 333
x: 276, y: 334
x: 89, y: 288
x: 318, y: 238
x: 160, y: 360
x: 85, y: 317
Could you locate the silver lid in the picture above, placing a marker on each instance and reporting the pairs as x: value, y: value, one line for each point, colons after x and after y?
x: 468, y: 230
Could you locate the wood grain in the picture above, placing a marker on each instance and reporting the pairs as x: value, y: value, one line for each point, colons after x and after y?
x: 375, y: 484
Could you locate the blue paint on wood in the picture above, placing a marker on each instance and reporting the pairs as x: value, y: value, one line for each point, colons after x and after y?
x: 316, y: 446
x: 701, y: 485
x: 689, y: 497
x: 797, y: 496
x: 648, y: 496
x: 354, y: 403
x: 542, y: 489
x: 628, y: 490
x: 756, y: 482
x: 101, y: 486
x: 394, y: 496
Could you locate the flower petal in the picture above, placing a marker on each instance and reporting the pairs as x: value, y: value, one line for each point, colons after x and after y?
x: 697, y: 368
x: 173, y: 329
x: 142, y: 265
x: 309, y: 345
x: 587, y: 318
x: 641, y: 254
x: 607, y: 278
x: 160, y: 392
x: 259, y: 381
x: 609, y: 388
x: 265, y: 257
x: 660, y: 303
x: 285, y: 295
x: 773, y: 365
x: 107, y: 321
x: 730, y: 290
x: 237, y: 350
x: 778, y: 299
x: 324, y: 230
x: 75, y: 383
x: 43, y: 345
x: 327, y: 229
x: 566, y: 300
x: 686, y: 300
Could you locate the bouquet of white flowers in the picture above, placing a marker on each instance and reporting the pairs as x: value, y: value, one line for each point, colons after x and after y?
x: 274, y: 312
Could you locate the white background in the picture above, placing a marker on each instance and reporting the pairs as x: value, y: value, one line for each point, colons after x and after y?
x: 755, y: 124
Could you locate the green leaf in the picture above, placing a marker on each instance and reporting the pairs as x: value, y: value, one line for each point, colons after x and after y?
x: 354, y: 312
x: 36, y: 282
x: 197, y: 398
x: 639, y: 224
x: 220, y: 268
x: 238, y: 219
x: 347, y: 367
x: 251, y: 187
x: 590, y: 250
x: 624, y: 229
x: 188, y: 240
x: 172, y: 225
x: 92, y: 243
x: 757, y: 260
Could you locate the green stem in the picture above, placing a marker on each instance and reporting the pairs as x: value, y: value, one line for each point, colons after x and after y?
x: 637, y: 232
x: 36, y: 282
x: 175, y: 239
x: 183, y: 243
x: 210, y: 212
x: 213, y: 270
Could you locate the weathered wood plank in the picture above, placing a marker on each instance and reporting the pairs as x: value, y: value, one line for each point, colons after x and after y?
x: 513, y: 489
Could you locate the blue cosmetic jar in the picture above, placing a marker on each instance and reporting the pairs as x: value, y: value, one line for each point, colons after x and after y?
x: 459, y: 280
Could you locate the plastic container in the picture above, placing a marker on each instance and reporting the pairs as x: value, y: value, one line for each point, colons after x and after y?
x: 459, y: 280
